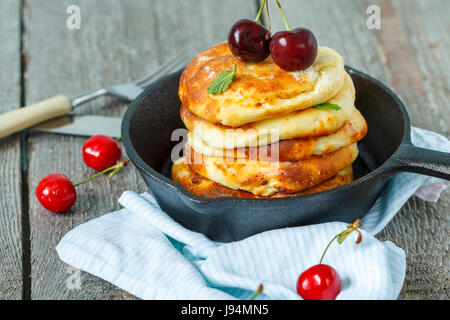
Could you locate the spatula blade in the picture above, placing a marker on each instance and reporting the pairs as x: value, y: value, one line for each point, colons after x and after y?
x: 82, y: 125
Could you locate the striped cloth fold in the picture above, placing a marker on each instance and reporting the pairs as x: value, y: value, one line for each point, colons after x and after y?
x: 143, y: 251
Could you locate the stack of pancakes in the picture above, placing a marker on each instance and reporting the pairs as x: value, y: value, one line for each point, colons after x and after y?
x: 272, y: 133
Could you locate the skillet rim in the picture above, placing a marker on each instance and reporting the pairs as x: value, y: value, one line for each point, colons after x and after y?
x: 145, y: 168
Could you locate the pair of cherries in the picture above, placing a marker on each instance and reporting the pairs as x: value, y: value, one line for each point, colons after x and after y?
x: 57, y: 193
x: 291, y: 50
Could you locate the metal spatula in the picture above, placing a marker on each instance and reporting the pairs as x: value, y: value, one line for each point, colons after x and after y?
x: 27, y: 117
x: 82, y: 125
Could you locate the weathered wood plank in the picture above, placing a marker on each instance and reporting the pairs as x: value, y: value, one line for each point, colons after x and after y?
x: 408, y: 64
x: 117, y: 40
x: 110, y: 47
x: 10, y: 169
x: 421, y: 228
x: 426, y: 25
x: 410, y: 54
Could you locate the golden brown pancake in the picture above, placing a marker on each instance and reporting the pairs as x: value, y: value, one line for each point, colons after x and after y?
x: 264, y: 178
x: 261, y: 90
x: 303, y: 124
x: 291, y: 150
x: 203, y: 187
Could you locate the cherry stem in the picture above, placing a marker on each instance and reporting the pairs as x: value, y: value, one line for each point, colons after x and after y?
x: 343, y: 235
x: 119, y: 165
x: 326, y: 249
x: 270, y: 21
x: 284, y: 17
x: 260, y: 11
x: 118, y: 139
x: 257, y: 292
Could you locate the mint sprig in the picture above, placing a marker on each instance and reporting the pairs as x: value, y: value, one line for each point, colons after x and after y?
x: 327, y: 106
x: 222, y: 82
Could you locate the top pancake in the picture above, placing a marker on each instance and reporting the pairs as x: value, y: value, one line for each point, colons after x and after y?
x: 308, y: 123
x: 261, y: 90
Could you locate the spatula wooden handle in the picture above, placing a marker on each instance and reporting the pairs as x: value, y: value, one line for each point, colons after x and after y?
x: 26, y: 117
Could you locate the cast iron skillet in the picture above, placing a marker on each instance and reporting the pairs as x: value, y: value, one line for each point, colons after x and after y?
x: 387, y: 149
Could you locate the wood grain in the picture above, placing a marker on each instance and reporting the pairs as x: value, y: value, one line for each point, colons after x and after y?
x: 426, y: 25
x: 10, y: 171
x: 118, y: 40
x: 422, y: 229
x: 409, y: 53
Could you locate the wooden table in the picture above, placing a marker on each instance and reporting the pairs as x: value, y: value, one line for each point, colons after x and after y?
x: 40, y: 57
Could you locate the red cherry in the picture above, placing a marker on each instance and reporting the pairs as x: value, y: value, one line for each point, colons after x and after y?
x: 249, y: 41
x: 56, y: 192
x: 294, y: 50
x: 320, y: 282
x: 101, y: 152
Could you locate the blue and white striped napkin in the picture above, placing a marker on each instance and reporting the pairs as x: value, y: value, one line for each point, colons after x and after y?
x: 143, y: 251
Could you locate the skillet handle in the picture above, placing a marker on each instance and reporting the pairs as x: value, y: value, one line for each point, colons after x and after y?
x: 423, y: 161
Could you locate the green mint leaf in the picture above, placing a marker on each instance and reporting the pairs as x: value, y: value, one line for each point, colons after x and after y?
x: 222, y: 82
x: 327, y: 106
